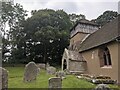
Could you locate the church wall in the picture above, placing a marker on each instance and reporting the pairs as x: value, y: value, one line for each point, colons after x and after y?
x: 77, y: 37
x: 93, y: 62
x: 119, y: 63
x: 77, y: 66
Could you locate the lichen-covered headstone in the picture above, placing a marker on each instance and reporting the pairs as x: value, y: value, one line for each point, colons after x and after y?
x: 102, y: 87
x: 55, y: 82
x: 3, y: 79
x: 31, y: 72
x: 60, y: 74
x: 51, y: 70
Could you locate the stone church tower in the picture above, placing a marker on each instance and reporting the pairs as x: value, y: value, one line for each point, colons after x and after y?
x: 80, y: 32
x: 72, y: 60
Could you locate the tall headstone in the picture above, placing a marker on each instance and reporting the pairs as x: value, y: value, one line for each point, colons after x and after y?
x: 102, y: 87
x: 3, y: 79
x: 31, y: 72
x: 55, y: 83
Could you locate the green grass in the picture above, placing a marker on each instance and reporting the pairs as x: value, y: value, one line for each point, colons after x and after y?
x: 72, y: 82
x: 16, y: 80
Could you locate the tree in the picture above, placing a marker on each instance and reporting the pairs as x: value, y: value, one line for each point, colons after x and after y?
x: 106, y: 17
x: 12, y: 16
x: 74, y: 18
x: 47, y: 34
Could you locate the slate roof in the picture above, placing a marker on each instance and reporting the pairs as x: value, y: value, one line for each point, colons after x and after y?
x: 106, y: 34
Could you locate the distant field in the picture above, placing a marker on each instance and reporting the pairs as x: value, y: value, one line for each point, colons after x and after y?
x: 16, y: 80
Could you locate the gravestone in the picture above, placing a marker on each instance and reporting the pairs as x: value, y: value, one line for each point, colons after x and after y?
x: 55, y: 82
x: 60, y: 74
x: 3, y: 79
x: 41, y: 66
x: 51, y: 70
x: 47, y: 65
x: 102, y: 87
x: 31, y: 72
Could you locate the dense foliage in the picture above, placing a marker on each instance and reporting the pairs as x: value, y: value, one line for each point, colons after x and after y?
x: 11, y: 26
x: 40, y: 38
x: 106, y: 17
x: 75, y: 18
x: 47, y: 34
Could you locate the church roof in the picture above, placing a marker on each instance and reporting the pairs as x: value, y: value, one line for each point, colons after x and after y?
x: 84, y: 21
x: 106, y: 34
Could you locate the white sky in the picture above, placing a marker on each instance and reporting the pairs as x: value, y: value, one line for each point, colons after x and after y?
x: 90, y: 8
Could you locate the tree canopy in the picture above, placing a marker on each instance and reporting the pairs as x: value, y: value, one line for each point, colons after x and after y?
x: 106, y: 17
x: 12, y: 17
x: 47, y: 34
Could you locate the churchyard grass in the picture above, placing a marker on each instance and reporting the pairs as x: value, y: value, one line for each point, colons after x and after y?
x: 16, y: 80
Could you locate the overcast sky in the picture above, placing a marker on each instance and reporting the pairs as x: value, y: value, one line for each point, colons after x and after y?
x: 90, y: 8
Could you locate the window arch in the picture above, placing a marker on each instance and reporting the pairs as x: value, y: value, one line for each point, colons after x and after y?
x: 104, y: 56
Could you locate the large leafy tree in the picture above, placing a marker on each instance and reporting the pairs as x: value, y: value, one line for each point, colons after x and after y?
x: 47, y: 34
x: 12, y: 17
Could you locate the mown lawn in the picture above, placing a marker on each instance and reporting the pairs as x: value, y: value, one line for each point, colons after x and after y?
x: 16, y: 80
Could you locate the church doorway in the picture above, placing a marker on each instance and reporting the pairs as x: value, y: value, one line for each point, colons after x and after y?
x: 64, y: 64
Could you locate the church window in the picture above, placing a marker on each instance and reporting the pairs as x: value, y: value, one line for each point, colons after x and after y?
x: 104, y: 56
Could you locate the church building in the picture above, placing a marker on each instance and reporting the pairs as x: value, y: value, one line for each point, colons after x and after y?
x: 94, y: 50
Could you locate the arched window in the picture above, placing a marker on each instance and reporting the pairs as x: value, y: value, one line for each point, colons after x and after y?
x: 104, y: 56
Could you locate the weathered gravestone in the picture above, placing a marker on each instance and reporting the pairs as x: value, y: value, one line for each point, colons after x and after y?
x: 47, y: 65
x: 51, y: 70
x: 102, y: 87
x: 60, y: 74
x: 55, y: 82
x: 41, y: 65
x: 3, y: 79
x: 31, y: 72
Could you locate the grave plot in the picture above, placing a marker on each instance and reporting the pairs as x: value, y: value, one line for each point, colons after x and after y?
x: 97, y: 79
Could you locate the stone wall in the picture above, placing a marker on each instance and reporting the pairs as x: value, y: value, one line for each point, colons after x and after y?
x: 79, y: 66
